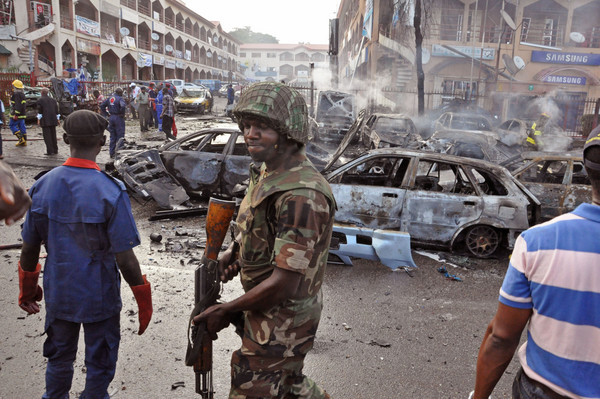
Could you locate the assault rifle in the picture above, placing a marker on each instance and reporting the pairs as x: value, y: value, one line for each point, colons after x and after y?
x: 206, y: 292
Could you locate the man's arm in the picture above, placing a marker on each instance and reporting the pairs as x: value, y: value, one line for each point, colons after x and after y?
x: 130, y: 267
x: 14, y: 200
x: 29, y: 291
x: 279, y: 286
x: 498, y: 347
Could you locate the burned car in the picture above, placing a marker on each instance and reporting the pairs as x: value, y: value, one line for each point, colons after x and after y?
x: 335, y: 114
x: 213, y: 161
x: 468, y: 144
x: 462, y: 121
x: 389, y: 130
x: 196, y: 100
x: 440, y: 200
x: 558, y: 180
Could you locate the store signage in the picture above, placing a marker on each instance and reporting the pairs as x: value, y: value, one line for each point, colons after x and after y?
x: 144, y: 60
x: 87, y: 46
x: 170, y: 64
x: 486, y: 53
x: 179, y: 64
x: 188, y: 55
x: 569, y: 80
x: 87, y: 26
x: 159, y: 60
x: 552, y: 57
x: 178, y: 54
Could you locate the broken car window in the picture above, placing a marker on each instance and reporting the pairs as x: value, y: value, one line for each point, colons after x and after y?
x: 551, y: 172
x: 442, y: 177
x: 376, y: 171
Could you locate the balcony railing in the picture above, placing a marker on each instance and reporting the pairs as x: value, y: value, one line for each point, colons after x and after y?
x: 129, y: 3
x: 546, y: 37
x: 179, y: 26
x: 188, y: 30
x: 66, y: 21
x: 144, y: 44
x: 158, y: 48
x: 106, y: 33
x: 169, y: 21
x: 161, y: 15
x: 144, y: 8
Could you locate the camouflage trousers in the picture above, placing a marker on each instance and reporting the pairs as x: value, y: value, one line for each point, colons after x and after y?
x: 247, y: 383
x: 274, y: 344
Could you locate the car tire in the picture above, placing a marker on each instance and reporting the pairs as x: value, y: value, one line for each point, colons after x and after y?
x: 482, y: 241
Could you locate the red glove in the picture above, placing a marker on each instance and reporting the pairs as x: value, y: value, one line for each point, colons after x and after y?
x: 15, y: 117
x: 29, y: 290
x: 143, y: 297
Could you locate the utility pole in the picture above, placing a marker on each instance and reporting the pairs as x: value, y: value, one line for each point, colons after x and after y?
x: 419, y: 48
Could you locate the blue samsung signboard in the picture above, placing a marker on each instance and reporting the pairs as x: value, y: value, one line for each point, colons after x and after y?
x: 552, y: 57
x: 561, y: 79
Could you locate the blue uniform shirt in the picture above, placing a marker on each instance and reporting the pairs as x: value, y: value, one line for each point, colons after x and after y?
x: 83, y: 217
x: 116, y: 105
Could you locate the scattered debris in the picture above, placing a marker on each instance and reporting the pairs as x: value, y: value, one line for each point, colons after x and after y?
x: 178, y: 384
x: 155, y: 237
x: 448, y: 275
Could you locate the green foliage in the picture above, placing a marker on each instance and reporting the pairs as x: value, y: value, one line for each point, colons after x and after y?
x: 245, y: 35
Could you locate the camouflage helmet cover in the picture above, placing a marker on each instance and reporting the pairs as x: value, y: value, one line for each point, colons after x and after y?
x: 279, y: 103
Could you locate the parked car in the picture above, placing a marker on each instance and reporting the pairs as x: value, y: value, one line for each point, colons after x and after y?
x: 210, y: 162
x: 558, y: 180
x: 188, y: 85
x: 470, y: 144
x: 439, y: 199
x: 513, y: 132
x: 389, y: 130
x: 196, y: 100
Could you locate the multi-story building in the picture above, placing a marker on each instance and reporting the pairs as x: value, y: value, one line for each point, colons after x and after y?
x: 116, y: 40
x: 502, y: 53
x: 288, y: 62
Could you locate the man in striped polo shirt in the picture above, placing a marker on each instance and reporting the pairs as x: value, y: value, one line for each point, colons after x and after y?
x: 552, y: 282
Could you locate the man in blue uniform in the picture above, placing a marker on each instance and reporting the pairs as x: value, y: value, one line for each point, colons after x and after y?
x: 159, y: 106
x: 116, y: 123
x: 83, y: 218
x: 17, y: 113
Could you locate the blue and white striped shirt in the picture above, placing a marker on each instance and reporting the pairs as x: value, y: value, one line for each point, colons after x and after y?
x: 555, y: 271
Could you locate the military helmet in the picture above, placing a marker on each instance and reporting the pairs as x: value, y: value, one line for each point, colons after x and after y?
x: 283, y: 105
x: 17, y: 83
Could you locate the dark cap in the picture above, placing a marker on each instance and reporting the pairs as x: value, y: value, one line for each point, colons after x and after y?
x: 168, y: 84
x: 85, y: 123
x: 592, y: 140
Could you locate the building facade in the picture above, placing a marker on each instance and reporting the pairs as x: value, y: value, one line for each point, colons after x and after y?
x: 113, y: 40
x: 500, y: 53
x: 277, y: 62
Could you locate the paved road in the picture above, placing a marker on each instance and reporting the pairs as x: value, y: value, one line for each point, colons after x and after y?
x: 383, y: 334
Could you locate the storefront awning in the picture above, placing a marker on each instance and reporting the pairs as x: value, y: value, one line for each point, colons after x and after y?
x: 4, y: 50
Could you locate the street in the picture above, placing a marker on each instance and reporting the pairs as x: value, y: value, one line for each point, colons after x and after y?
x: 383, y: 334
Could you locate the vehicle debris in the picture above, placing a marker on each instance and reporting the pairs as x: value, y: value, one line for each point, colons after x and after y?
x: 449, y: 276
x: 391, y: 248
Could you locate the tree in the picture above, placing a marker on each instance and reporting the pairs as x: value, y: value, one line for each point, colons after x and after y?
x: 246, y: 35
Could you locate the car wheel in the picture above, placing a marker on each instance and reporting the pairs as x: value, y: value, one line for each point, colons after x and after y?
x: 482, y: 241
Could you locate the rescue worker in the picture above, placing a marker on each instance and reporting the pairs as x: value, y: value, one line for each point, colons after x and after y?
x: 143, y: 102
x: 115, y: 106
x: 17, y: 113
x: 152, y: 114
x: 48, y: 119
x: 534, y: 136
x: 285, y: 222
x: 83, y: 218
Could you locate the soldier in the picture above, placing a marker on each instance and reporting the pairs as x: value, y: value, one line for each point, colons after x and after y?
x: 17, y: 113
x: 116, y: 123
x: 285, y: 222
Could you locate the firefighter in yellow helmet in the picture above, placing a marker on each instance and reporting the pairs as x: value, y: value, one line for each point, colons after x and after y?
x: 535, y: 133
x: 17, y: 113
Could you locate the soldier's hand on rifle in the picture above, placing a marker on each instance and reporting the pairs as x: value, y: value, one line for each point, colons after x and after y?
x: 216, y: 319
x: 229, y: 266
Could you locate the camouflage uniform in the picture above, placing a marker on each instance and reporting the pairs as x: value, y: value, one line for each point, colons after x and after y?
x: 286, y: 221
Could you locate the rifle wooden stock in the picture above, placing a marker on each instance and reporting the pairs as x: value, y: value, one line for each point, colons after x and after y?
x: 206, y: 291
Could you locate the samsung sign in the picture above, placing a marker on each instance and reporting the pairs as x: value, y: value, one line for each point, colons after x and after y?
x: 569, y: 80
x: 552, y: 57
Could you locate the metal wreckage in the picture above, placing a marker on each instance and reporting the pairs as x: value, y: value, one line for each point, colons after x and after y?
x: 387, y: 197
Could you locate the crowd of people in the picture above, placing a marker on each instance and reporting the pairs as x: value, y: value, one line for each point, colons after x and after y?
x: 83, y: 218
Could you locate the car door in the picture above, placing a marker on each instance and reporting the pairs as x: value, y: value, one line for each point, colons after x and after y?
x: 548, y: 180
x: 369, y: 191
x: 440, y: 200
x: 197, y: 162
